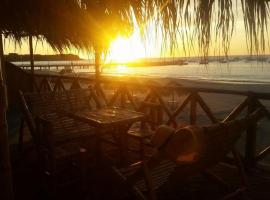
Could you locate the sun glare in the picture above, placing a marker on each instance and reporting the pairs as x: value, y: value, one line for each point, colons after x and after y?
x: 122, y: 69
x: 126, y: 49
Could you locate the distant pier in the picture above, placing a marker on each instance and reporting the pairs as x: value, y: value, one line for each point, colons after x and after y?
x: 57, y: 66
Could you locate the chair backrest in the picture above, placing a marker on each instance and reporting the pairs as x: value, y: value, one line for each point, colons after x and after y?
x: 51, y: 102
x: 36, y: 104
x: 27, y: 114
x: 79, y: 99
x: 40, y: 103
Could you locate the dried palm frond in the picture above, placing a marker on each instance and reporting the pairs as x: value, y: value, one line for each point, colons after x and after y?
x: 85, y: 24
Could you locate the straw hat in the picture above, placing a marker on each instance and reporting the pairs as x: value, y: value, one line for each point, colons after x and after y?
x: 185, y: 144
x: 181, y: 145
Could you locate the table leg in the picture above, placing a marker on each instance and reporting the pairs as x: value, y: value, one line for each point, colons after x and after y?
x: 123, y: 143
x: 98, y: 147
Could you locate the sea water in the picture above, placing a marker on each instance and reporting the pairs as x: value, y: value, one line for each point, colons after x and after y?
x: 230, y: 72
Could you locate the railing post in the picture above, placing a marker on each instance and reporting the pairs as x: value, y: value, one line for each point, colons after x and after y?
x: 75, y: 84
x: 250, y: 148
x: 123, y: 97
x: 159, y: 115
x: 193, y: 108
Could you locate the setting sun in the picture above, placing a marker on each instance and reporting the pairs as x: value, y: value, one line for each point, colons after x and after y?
x: 126, y: 49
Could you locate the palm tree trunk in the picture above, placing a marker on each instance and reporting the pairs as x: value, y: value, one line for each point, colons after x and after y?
x: 6, y: 192
x: 97, y: 64
x: 31, y: 61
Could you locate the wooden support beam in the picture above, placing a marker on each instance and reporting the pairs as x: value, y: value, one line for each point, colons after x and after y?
x: 236, y: 111
x: 118, y: 92
x: 206, y: 109
x: 263, y: 153
x: 130, y: 98
x: 59, y: 86
x: 6, y: 192
x: 179, y: 110
x: 193, y: 108
x: 251, y: 138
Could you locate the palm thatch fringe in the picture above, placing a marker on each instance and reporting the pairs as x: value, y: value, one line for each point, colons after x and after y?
x: 85, y: 24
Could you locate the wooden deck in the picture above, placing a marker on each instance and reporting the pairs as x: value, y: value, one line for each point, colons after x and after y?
x: 191, y: 107
x: 28, y: 184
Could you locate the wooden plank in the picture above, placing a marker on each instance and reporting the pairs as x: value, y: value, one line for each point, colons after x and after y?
x: 100, y: 90
x: 263, y: 153
x: 167, y: 111
x: 75, y: 84
x: 35, y: 86
x: 148, y: 96
x: 259, y: 95
x: 123, y: 97
x: 179, y: 110
x: 206, y: 109
x: 45, y: 85
x: 59, y: 86
x: 94, y: 96
x: 267, y: 113
x: 236, y: 111
x: 21, y: 135
x: 251, y: 137
x: 193, y: 108
x: 118, y: 92
x: 130, y: 98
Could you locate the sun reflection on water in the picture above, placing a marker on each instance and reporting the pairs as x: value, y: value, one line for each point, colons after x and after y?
x: 122, y: 70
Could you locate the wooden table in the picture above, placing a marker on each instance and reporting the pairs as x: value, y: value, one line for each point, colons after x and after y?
x: 120, y: 120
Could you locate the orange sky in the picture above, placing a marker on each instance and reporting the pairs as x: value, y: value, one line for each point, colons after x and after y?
x: 125, y: 49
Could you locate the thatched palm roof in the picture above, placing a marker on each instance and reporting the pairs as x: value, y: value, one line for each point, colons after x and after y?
x: 206, y: 20
x: 88, y: 23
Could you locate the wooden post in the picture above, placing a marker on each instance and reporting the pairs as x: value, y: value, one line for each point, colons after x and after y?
x: 193, y: 108
x: 97, y: 74
x: 97, y: 64
x: 5, y: 166
x: 251, y: 135
x: 31, y: 61
x: 123, y: 97
x: 159, y: 115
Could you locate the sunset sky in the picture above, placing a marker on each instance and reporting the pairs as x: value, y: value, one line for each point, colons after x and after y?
x: 127, y: 49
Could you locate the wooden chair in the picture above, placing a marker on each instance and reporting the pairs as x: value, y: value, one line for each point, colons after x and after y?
x: 62, y: 143
x: 143, y: 133
x: 50, y: 105
x: 184, y: 153
x: 60, y: 164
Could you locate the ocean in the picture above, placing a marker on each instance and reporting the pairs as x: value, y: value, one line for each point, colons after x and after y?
x: 238, y: 72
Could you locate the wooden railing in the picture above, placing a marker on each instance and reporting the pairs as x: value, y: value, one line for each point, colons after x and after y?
x: 159, y: 103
